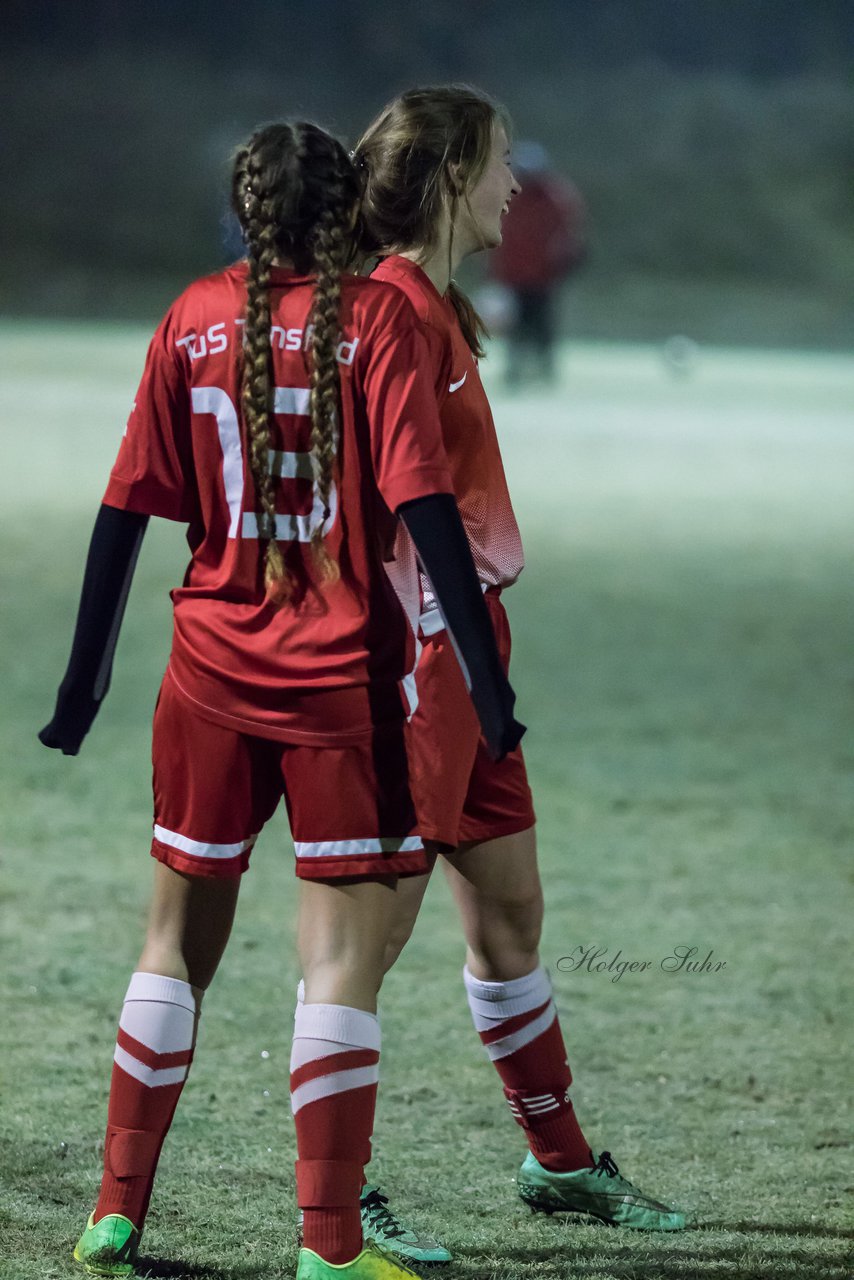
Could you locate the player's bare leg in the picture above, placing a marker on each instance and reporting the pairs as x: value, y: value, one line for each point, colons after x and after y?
x: 363, y: 932
x: 409, y: 897
x: 189, y: 925
x: 342, y: 935
x: 496, y: 885
x: 497, y: 889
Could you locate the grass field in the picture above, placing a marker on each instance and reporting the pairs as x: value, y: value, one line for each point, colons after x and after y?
x: 683, y: 658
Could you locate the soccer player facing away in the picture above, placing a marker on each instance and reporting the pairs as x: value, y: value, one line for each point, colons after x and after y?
x: 435, y: 167
x: 285, y: 414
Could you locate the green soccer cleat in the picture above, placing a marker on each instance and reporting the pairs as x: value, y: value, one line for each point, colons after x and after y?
x: 381, y: 1224
x: 601, y: 1191
x: 373, y: 1263
x: 109, y: 1246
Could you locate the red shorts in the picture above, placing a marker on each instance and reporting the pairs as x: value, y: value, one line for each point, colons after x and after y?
x: 461, y: 795
x: 350, y: 807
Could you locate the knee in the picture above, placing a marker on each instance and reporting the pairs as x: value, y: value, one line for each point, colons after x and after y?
x: 163, y: 954
x: 520, y: 919
x: 188, y: 925
x: 504, y: 942
x: 400, y: 934
x: 343, y: 974
x: 409, y: 898
x: 176, y: 953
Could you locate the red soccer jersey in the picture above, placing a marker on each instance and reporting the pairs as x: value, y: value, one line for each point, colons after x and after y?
x: 468, y: 431
x: 320, y: 668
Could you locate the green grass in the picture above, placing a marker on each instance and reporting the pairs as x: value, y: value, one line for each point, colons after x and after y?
x: 683, y: 658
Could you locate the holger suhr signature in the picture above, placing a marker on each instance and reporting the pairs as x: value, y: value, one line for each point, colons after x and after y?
x: 682, y: 959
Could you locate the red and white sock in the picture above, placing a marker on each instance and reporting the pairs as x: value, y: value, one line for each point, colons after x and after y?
x: 334, y: 1074
x: 518, y: 1024
x: 154, y: 1049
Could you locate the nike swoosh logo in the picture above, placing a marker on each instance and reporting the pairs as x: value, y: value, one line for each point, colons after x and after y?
x: 455, y: 386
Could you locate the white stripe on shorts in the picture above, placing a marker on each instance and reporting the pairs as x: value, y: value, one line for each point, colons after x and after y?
x: 356, y: 848
x: 335, y: 1082
x: 199, y: 848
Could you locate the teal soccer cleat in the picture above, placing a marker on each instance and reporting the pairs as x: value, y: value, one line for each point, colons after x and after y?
x: 601, y: 1192
x: 400, y: 1238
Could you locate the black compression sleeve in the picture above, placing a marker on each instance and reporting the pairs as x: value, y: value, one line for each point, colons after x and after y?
x: 113, y: 551
x: 435, y: 527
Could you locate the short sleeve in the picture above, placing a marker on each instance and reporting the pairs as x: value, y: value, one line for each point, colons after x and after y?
x: 406, y: 436
x: 441, y: 362
x: 153, y: 473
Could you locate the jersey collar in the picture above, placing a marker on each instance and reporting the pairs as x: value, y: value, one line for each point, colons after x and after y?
x: 278, y: 275
x: 406, y: 267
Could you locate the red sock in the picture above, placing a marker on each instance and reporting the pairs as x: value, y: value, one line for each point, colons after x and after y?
x: 153, y: 1055
x: 517, y: 1022
x: 334, y: 1073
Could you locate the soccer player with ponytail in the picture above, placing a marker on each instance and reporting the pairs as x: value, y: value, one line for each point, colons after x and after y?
x: 436, y: 175
x: 285, y: 416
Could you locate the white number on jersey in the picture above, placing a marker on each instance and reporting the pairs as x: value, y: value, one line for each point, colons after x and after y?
x: 290, y: 527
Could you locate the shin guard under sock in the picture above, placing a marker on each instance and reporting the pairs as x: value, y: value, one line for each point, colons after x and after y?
x: 334, y: 1074
x: 518, y: 1024
x: 153, y: 1053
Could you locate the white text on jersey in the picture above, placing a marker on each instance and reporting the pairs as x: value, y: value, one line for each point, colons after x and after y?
x: 215, y: 341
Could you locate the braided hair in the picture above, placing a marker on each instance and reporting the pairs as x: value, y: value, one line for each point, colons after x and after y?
x: 294, y: 190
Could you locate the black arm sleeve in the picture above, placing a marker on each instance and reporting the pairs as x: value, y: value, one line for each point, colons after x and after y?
x: 435, y: 527
x: 113, y: 551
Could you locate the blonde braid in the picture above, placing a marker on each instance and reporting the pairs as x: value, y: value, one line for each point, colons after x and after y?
x: 332, y: 247
x: 256, y: 391
x: 294, y: 191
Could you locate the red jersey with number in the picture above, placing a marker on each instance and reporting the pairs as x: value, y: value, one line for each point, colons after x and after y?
x: 325, y: 665
x: 468, y: 431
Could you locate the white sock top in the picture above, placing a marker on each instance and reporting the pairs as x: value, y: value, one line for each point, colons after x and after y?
x: 153, y: 986
x: 500, y: 1000
x: 349, y: 1028
x: 160, y: 1013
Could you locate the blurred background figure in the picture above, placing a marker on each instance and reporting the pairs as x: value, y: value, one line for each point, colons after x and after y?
x: 543, y: 244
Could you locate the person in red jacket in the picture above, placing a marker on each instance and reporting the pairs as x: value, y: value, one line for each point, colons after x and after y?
x: 543, y: 242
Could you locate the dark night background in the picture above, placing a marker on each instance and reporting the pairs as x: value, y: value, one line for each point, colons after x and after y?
x: 713, y: 141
